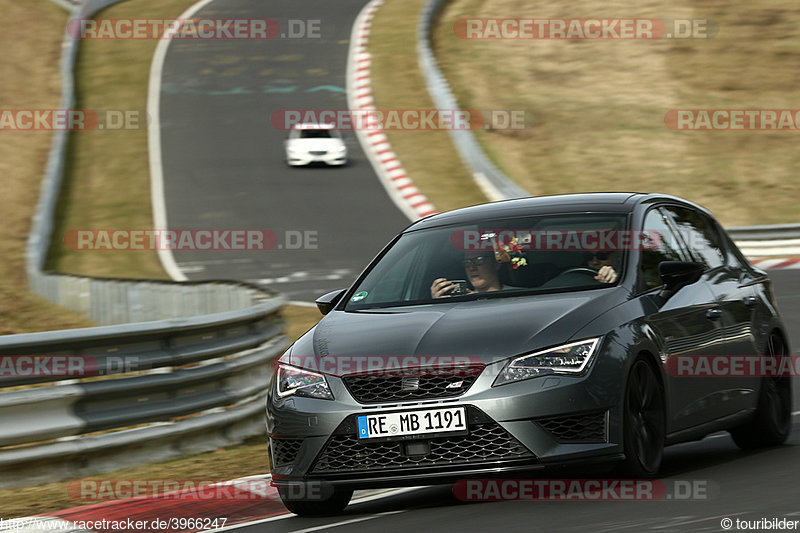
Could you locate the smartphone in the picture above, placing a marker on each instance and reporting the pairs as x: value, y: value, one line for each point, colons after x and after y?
x: 459, y: 287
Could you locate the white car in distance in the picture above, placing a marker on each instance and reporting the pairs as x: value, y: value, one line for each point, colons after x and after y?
x: 315, y: 143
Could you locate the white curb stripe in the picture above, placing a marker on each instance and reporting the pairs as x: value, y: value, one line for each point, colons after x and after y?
x: 375, y: 144
x: 154, y: 144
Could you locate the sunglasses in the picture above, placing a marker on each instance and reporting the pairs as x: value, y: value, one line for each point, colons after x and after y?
x: 477, y: 261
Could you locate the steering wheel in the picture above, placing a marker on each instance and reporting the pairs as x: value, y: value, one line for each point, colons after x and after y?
x: 583, y: 270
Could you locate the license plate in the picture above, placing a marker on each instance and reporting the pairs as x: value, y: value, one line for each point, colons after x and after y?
x: 422, y: 422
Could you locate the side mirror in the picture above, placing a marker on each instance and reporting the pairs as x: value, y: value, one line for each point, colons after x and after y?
x: 676, y: 274
x: 327, y: 302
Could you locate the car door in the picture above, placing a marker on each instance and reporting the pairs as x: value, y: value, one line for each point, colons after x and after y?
x: 734, y: 304
x: 684, y: 324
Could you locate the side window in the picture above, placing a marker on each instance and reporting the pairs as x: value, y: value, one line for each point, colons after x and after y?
x: 661, y: 245
x: 699, y: 234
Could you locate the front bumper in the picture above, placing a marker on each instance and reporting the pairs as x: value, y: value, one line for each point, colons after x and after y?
x: 513, y: 429
x: 305, y: 158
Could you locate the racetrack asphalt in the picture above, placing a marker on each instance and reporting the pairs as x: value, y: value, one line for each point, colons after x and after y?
x: 223, y: 159
x: 223, y: 168
x: 744, y: 485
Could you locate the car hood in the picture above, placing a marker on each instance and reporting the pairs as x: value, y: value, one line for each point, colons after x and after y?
x: 309, y: 145
x: 483, y: 330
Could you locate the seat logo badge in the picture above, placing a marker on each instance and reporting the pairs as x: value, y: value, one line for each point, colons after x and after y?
x: 409, y: 384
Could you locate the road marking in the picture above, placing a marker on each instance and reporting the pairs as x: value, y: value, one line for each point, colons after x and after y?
x: 157, y: 197
x: 357, y: 76
x: 331, y: 88
x: 290, y: 515
x: 344, y: 522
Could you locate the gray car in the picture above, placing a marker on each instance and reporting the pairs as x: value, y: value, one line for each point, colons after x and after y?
x: 489, y: 341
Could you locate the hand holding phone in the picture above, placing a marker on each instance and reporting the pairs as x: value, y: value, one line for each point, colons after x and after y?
x: 459, y: 287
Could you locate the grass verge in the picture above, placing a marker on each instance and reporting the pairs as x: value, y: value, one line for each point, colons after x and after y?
x: 223, y: 464
x: 30, y: 35
x: 599, y: 105
x: 107, y: 175
x: 397, y: 83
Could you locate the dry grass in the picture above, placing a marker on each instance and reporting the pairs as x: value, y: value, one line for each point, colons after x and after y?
x: 107, y: 180
x: 397, y: 83
x: 29, y: 79
x: 220, y: 465
x: 599, y: 106
x: 299, y: 320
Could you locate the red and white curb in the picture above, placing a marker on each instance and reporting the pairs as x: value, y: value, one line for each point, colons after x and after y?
x: 163, y: 512
x: 183, y: 511
x: 390, y: 171
x: 776, y: 264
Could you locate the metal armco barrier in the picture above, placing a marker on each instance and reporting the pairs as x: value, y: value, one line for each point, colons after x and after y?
x: 494, y: 183
x: 202, y: 381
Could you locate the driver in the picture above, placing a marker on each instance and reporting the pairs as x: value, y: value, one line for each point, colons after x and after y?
x: 481, y: 268
x: 606, y: 264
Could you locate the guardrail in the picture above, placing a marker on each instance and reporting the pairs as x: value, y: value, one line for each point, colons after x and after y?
x: 755, y: 241
x: 491, y: 180
x: 148, y: 391
x: 767, y: 241
x: 212, y: 369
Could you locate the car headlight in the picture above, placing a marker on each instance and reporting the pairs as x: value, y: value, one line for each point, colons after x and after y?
x: 566, y: 359
x: 298, y: 382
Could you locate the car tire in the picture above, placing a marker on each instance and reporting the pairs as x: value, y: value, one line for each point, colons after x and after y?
x: 772, y: 422
x: 334, y: 504
x: 644, y: 421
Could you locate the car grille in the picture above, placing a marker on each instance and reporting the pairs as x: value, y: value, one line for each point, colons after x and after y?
x: 585, y: 428
x: 284, y: 451
x: 318, y: 152
x: 486, y: 442
x: 380, y: 389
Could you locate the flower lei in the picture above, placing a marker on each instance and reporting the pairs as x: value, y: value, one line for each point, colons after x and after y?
x: 510, y: 252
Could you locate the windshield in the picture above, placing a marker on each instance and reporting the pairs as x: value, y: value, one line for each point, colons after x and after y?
x: 314, y: 134
x: 496, y: 258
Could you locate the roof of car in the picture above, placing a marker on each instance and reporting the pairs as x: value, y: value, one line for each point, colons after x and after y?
x: 312, y: 126
x: 611, y: 202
